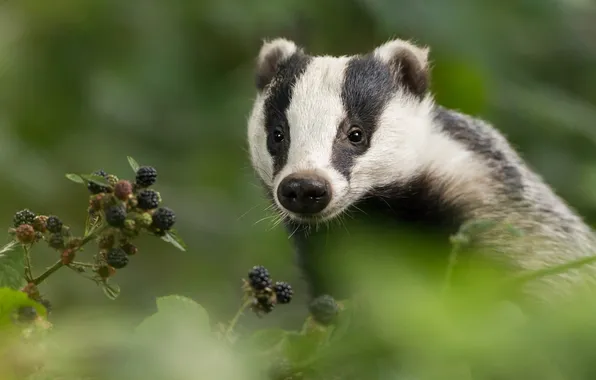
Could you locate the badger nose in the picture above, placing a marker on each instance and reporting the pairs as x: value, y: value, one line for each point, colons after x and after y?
x: 304, y: 193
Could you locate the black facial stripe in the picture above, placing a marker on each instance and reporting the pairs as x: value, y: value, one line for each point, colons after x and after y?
x: 473, y: 137
x: 276, y: 104
x: 367, y: 88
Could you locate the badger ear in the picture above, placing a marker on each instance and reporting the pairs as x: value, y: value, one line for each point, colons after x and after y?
x: 271, y: 55
x: 409, y: 64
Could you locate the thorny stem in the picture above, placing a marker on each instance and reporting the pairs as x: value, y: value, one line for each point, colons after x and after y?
x: 234, y: 320
x: 81, y: 264
x: 58, y: 264
x: 28, y: 274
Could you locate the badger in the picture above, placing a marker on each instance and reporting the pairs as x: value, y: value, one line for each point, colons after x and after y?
x: 362, y: 134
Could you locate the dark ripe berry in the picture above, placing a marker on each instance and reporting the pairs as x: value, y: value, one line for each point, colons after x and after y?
x: 147, y: 199
x: 117, y: 258
x: 130, y: 249
x: 25, y: 216
x: 146, y: 176
x: 163, y: 218
x: 96, y: 188
x: 324, y: 309
x: 54, y: 224
x: 26, y: 314
x: 115, y: 216
x: 259, y: 278
x: 122, y: 189
x: 283, y: 292
x: 56, y: 241
x: 25, y: 233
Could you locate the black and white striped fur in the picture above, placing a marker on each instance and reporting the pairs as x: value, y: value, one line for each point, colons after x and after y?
x: 418, y: 163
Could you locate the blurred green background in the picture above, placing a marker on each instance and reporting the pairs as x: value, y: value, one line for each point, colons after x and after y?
x: 84, y: 83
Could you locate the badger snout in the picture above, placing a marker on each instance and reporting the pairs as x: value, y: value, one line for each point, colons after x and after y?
x: 304, y: 193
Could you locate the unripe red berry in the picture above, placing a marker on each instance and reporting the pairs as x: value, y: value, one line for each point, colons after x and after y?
x: 39, y: 224
x: 25, y: 233
x: 67, y: 256
x: 123, y: 189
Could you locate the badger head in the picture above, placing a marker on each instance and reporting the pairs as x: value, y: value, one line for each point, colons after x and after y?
x: 325, y: 131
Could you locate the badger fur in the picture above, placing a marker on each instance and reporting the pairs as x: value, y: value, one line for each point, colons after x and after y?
x: 363, y: 134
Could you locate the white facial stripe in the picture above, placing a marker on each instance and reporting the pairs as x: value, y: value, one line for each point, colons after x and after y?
x: 396, y: 146
x: 314, y: 115
x: 257, y: 141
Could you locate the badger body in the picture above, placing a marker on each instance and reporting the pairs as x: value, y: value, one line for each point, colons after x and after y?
x: 363, y: 135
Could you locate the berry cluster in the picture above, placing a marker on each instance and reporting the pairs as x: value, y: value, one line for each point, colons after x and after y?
x: 128, y: 208
x: 29, y: 228
x: 263, y: 292
x: 119, y: 210
x: 131, y: 205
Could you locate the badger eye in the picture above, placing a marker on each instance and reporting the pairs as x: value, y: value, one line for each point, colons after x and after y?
x: 355, y: 135
x: 278, y: 135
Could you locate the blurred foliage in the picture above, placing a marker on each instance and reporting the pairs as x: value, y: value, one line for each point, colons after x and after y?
x: 85, y: 82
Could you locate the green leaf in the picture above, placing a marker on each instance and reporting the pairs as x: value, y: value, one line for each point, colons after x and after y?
x: 8, y: 247
x: 95, y: 178
x: 343, y: 321
x: 75, y: 178
x: 262, y: 340
x: 172, y: 312
x: 90, y: 222
x: 299, y: 348
x: 11, y: 300
x: 12, y: 269
x: 173, y: 238
x: 133, y: 164
x: 181, y: 305
x: 112, y: 291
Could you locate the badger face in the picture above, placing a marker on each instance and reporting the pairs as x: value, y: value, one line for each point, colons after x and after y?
x: 326, y: 131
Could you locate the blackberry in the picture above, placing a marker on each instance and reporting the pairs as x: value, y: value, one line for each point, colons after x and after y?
x: 117, y: 258
x: 96, y: 188
x: 146, y: 176
x: 54, y: 224
x: 115, y: 216
x: 25, y: 216
x: 324, y: 309
x: 259, y: 278
x: 147, y: 199
x: 283, y: 292
x: 122, y: 189
x: 163, y: 218
x: 56, y: 241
